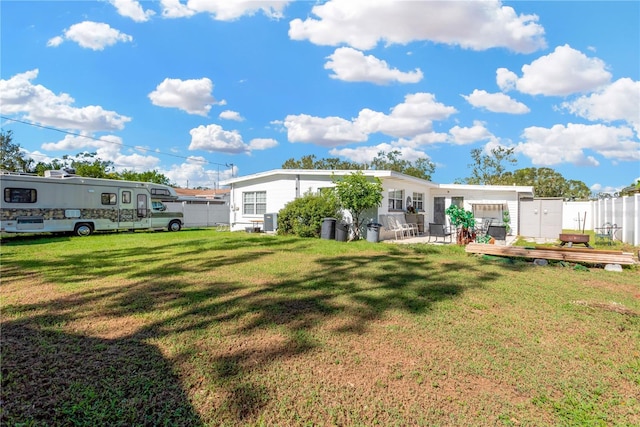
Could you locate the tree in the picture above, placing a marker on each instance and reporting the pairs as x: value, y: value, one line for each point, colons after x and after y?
x: 421, y: 168
x: 356, y: 193
x: 489, y: 169
x: 547, y: 182
x: 12, y: 158
x: 147, y: 176
x: 303, y: 216
x: 331, y: 163
x: 87, y: 164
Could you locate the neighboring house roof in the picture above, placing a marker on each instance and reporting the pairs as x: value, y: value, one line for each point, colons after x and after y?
x: 205, y: 194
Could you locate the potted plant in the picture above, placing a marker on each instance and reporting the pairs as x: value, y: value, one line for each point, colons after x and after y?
x: 506, y: 219
x: 464, y: 222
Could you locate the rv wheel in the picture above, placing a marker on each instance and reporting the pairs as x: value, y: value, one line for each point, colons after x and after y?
x: 174, y: 226
x: 83, y: 230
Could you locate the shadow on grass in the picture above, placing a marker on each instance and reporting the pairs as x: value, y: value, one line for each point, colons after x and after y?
x: 55, y: 378
x: 50, y: 373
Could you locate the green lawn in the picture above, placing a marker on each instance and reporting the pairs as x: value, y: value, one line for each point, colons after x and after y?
x: 217, y: 328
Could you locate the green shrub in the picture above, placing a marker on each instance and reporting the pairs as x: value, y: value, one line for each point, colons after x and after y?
x: 303, y: 217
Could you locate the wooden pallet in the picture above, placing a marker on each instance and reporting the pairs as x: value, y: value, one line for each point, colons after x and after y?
x: 585, y: 255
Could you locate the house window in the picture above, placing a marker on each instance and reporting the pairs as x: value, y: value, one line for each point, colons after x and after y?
x: 109, y: 198
x: 20, y: 195
x: 254, y: 202
x: 418, y: 201
x: 396, y: 198
x: 458, y: 201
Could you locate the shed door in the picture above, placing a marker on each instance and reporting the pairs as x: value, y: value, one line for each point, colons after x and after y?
x: 541, y: 218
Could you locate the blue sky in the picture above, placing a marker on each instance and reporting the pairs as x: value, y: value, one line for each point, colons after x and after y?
x: 197, y: 88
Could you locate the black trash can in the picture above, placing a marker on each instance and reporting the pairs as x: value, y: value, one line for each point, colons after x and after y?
x: 373, y: 232
x: 328, y: 230
x: 342, y: 231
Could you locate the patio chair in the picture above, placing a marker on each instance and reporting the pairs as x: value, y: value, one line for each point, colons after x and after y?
x: 439, y: 230
x: 390, y: 225
x: 413, y: 228
x: 405, y: 229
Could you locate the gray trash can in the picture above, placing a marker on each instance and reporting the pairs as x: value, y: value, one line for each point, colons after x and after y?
x: 342, y: 231
x: 373, y: 232
x: 328, y: 230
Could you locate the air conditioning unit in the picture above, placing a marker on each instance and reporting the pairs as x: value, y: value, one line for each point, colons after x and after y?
x: 270, y: 222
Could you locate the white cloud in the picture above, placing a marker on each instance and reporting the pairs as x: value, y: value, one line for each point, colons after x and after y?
x: 618, y: 101
x: 573, y: 142
x: 368, y: 153
x: 91, y: 35
x: 132, y: 9
x: 410, y: 119
x: 79, y: 142
x: 223, y: 10
x: 351, y: 65
x: 193, y: 173
x: 563, y: 72
x: 469, y: 24
x: 325, y: 131
x: 193, y: 96
x: 231, y: 115
x: 469, y: 135
x: 496, y: 102
x: 262, y: 143
x: 19, y: 96
x: 215, y: 138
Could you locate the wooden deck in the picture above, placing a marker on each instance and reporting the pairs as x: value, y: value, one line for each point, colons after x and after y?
x: 585, y: 255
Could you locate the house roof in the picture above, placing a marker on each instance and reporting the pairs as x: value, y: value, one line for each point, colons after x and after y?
x: 524, y: 189
x: 387, y: 174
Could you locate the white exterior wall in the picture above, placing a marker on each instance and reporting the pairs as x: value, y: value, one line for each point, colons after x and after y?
x: 472, y: 196
x: 280, y: 191
x: 283, y: 186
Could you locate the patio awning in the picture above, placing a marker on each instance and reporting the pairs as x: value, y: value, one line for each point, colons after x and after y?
x: 489, y: 205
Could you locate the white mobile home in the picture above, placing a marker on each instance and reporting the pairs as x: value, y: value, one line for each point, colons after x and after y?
x: 253, y: 196
x: 60, y: 202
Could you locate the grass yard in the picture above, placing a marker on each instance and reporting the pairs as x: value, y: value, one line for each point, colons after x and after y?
x: 216, y: 328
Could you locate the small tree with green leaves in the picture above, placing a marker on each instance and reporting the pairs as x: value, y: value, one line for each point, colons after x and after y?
x: 303, y: 216
x: 357, y: 193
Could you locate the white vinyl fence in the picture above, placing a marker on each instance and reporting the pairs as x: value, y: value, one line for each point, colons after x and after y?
x: 201, y: 214
x: 622, y: 211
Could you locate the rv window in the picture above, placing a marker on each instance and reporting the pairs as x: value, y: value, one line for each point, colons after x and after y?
x: 20, y: 195
x: 109, y: 198
x: 160, y: 192
x: 126, y: 197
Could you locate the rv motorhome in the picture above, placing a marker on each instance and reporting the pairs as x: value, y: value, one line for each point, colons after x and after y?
x: 61, y: 202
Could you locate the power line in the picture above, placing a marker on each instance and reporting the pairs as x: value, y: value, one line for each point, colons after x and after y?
x: 112, y: 142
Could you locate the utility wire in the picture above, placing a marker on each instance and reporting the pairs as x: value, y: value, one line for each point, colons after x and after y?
x: 112, y: 142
